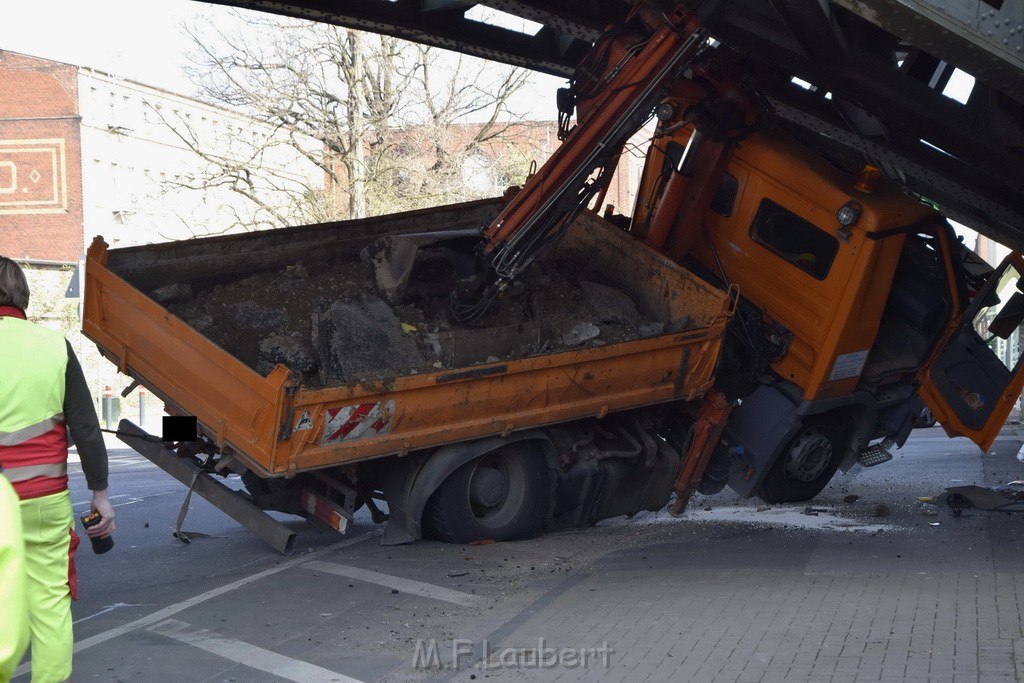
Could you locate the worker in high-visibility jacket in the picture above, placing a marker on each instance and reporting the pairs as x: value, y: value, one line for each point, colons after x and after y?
x: 43, y: 396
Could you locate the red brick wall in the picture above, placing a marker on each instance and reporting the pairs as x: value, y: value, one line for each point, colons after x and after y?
x: 538, y: 140
x: 521, y: 142
x: 40, y: 159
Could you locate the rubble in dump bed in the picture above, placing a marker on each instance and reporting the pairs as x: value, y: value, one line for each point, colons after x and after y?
x: 334, y: 328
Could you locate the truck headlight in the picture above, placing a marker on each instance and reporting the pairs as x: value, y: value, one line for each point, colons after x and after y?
x: 849, y: 213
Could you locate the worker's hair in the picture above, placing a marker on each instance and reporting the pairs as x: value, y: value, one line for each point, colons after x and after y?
x: 13, y: 284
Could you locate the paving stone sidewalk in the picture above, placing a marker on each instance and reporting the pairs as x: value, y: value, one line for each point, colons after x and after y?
x: 933, y: 597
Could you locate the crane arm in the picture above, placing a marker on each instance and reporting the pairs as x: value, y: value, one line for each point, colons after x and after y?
x: 638, y: 65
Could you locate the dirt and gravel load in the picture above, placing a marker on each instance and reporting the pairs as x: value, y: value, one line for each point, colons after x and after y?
x: 329, y: 322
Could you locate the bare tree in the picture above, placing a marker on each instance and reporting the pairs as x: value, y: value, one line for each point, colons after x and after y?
x: 389, y: 124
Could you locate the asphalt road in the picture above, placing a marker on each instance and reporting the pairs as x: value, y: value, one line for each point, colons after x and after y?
x: 228, y: 608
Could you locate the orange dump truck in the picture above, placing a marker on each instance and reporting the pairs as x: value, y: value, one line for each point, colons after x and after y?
x: 551, y: 415
x: 767, y: 314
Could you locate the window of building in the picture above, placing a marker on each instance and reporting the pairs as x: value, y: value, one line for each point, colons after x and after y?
x: 800, y: 242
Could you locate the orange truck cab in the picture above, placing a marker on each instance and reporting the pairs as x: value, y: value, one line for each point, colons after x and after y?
x: 855, y: 304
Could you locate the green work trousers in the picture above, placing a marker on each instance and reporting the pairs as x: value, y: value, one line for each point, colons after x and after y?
x: 50, y: 543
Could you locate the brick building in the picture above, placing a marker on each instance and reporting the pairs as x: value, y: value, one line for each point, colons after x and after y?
x: 85, y: 153
x: 40, y: 160
x: 480, y: 163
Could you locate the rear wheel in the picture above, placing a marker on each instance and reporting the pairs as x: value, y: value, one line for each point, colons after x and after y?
x: 805, y: 466
x: 501, y: 496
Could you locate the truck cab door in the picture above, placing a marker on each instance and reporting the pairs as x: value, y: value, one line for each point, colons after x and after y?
x: 974, y: 380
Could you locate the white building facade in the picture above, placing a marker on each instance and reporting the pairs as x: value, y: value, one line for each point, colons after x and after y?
x: 152, y: 165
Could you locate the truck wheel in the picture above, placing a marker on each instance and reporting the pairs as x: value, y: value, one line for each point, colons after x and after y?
x: 804, y: 467
x: 926, y: 419
x: 500, y: 496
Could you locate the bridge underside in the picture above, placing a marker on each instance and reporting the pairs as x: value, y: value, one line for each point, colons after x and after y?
x: 877, y: 70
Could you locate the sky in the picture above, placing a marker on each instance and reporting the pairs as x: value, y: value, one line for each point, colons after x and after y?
x: 116, y: 36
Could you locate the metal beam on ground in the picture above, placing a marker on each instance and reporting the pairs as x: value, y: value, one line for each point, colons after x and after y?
x: 232, y: 503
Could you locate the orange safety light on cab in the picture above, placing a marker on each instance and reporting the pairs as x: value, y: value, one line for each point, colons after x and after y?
x: 866, y: 179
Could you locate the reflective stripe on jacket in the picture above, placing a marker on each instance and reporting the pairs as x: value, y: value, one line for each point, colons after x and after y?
x: 33, y: 361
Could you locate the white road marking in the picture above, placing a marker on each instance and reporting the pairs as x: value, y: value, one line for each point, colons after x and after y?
x: 105, y: 610
x: 246, y: 654
x: 426, y: 590
x: 132, y: 500
x: 166, y: 612
x: 86, y: 504
x: 129, y: 458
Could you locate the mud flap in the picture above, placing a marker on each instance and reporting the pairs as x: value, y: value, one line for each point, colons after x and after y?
x: 763, y: 423
x: 400, y: 474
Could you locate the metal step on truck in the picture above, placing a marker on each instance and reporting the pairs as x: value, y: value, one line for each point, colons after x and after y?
x: 568, y: 404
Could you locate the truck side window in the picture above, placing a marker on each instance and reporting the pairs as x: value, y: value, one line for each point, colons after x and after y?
x: 798, y: 241
x: 725, y: 196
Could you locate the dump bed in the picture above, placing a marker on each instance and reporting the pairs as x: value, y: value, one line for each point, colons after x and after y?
x: 367, y: 380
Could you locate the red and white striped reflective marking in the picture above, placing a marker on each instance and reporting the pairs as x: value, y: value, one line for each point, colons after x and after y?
x: 361, y: 421
x: 326, y: 510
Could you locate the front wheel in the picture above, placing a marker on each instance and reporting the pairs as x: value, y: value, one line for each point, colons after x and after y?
x: 925, y: 419
x: 804, y: 467
x: 501, y: 496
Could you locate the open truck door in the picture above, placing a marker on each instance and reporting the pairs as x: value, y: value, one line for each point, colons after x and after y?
x: 974, y: 380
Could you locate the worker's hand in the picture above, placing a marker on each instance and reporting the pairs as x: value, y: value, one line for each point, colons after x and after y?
x: 101, y: 504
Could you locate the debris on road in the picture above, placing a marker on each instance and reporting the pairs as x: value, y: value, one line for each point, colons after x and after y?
x: 1003, y: 498
x: 787, y: 516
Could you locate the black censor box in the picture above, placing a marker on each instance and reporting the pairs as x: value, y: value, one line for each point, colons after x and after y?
x: 180, y: 428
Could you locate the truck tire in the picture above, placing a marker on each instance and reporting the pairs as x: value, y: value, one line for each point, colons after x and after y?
x: 501, y: 496
x: 926, y: 419
x: 805, y: 466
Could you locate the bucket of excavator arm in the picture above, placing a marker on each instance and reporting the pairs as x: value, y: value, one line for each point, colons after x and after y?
x: 427, y: 259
